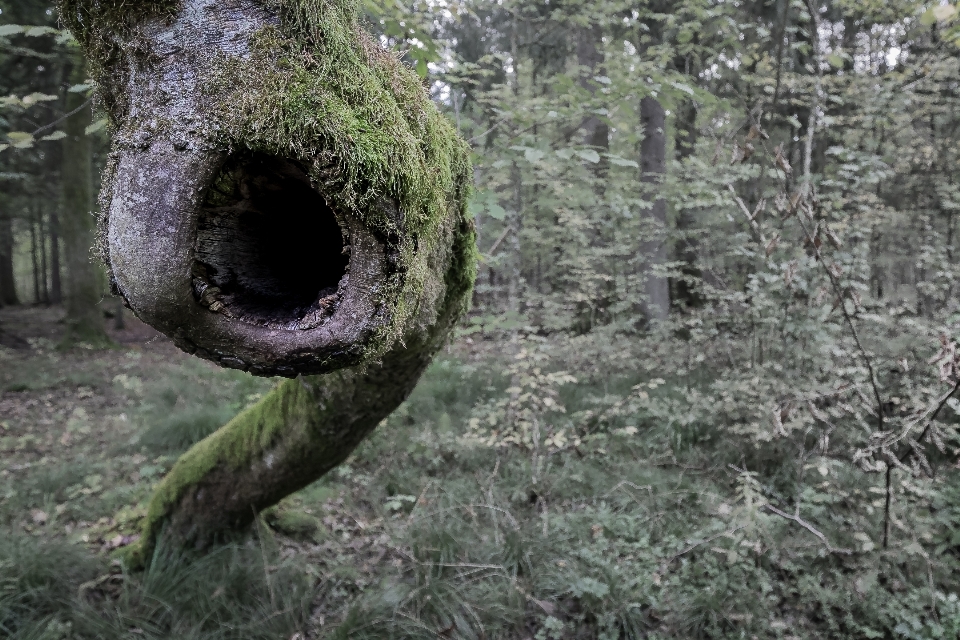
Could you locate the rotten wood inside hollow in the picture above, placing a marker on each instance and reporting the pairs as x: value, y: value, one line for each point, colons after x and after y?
x: 270, y: 250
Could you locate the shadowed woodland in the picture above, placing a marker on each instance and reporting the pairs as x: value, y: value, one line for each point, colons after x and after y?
x: 707, y: 386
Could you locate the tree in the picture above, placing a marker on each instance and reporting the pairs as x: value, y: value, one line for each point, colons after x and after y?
x: 287, y: 201
x: 84, y: 287
x: 8, y: 291
x: 653, y: 165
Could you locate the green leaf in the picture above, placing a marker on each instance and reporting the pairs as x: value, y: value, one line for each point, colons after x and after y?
x: 56, y: 135
x: 622, y: 162
x: 10, y: 29
x: 566, y: 154
x: 682, y: 87
x: 34, y: 98
x: 96, y: 126
x: 79, y: 88
x: 20, y: 139
x: 794, y: 122
x: 486, y: 202
x: 40, y: 31
x: 64, y: 37
x: 4, y: 147
x: 835, y: 60
x: 590, y: 155
x: 533, y: 155
x: 944, y: 12
x: 496, y: 212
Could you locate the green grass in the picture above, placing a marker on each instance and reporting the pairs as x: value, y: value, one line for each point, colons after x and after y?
x: 56, y: 590
x: 422, y: 534
x: 189, y: 403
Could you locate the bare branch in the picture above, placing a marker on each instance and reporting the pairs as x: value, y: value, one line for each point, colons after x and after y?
x: 809, y: 527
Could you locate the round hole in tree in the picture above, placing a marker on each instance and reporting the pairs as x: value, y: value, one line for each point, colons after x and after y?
x: 269, y: 249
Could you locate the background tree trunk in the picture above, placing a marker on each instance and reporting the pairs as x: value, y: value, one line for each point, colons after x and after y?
x: 653, y: 165
x: 596, y: 131
x: 77, y: 227
x: 35, y: 259
x: 687, y: 248
x: 56, y: 286
x: 8, y: 289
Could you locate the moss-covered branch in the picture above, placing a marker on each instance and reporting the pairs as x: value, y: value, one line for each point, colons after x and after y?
x: 304, y: 427
x: 236, y: 125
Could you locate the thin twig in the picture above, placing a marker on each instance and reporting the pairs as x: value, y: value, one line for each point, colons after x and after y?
x: 757, y: 233
x: 838, y: 290
x: 888, y: 498
x: 62, y: 118
x: 667, y: 563
x: 933, y: 416
x: 499, y: 240
x: 809, y: 527
x: 622, y: 483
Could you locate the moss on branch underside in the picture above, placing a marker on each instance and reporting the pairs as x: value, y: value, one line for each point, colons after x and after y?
x: 313, y: 87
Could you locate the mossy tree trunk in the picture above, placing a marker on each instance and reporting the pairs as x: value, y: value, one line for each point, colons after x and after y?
x: 283, y: 198
x: 84, y: 286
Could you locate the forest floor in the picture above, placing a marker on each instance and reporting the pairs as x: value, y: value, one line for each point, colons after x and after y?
x: 420, y: 534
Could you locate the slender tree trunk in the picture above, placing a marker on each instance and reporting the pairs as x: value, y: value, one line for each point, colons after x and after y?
x: 56, y: 286
x: 77, y: 226
x: 8, y: 289
x: 596, y: 131
x: 687, y: 247
x: 42, y: 237
x: 653, y: 250
x: 34, y: 259
x: 516, y: 284
x: 595, y: 135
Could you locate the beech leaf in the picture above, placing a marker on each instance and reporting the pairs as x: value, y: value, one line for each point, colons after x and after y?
x: 590, y: 155
x: 96, y: 126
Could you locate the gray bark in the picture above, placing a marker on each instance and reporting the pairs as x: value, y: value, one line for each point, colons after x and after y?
x: 595, y: 135
x: 224, y: 258
x: 653, y: 249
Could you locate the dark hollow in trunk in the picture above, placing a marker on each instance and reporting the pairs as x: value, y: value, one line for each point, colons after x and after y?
x: 268, y: 243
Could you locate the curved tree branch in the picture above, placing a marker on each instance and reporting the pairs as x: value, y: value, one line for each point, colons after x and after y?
x: 283, y: 198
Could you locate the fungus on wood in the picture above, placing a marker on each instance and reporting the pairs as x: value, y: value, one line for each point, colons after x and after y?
x: 281, y: 197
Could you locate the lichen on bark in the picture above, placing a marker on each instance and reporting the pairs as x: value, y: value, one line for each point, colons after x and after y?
x: 220, y: 110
